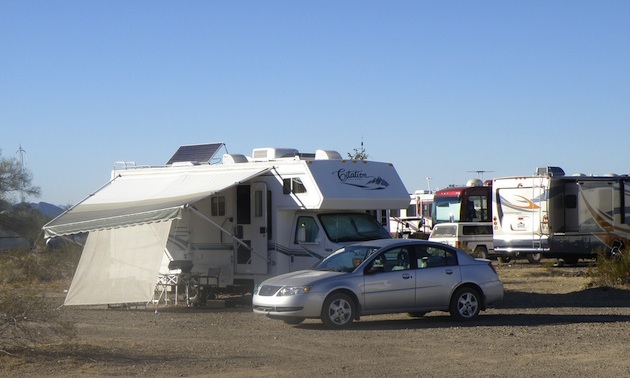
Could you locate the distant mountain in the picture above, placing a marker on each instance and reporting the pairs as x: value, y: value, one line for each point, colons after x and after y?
x: 47, y: 209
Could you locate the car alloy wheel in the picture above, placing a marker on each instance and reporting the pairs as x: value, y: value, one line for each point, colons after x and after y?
x: 465, y: 304
x: 338, y: 311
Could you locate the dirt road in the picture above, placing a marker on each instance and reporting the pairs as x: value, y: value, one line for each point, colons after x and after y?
x: 549, y: 324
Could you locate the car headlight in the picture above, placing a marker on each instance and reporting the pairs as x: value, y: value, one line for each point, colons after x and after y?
x: 294, y: 290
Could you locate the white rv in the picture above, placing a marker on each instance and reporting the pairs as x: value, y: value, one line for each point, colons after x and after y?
x: 414, y: 221
x: 229, y: 224
x: 568, y: 217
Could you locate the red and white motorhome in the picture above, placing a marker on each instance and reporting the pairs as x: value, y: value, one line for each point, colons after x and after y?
x: 461, y: 205
x: 470, y: 203
x: 568, y: 217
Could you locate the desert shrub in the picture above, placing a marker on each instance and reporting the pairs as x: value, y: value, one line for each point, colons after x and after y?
x: 27, y: 316
x: 611, y: 272
x: 28, y: 267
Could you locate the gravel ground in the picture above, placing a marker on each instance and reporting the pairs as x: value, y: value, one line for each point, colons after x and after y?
x: 549, y: 324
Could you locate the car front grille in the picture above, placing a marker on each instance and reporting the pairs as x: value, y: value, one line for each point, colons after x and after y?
x: 268, y: 290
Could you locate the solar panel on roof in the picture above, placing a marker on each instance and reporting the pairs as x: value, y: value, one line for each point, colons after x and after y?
x: 201, y: 153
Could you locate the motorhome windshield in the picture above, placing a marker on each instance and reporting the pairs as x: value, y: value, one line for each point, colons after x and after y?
x: 350, y: 227
x: 446, y: 209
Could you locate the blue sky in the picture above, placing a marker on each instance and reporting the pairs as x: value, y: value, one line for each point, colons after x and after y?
x: 438, y: 88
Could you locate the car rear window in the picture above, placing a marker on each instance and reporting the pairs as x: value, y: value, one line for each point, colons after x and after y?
x: 477, y: 230
x: 444, y: 231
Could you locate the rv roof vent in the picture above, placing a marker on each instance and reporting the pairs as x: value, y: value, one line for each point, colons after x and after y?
x: 474, y: 182
x: 579, y: 174
x: 327, y: 155
x: 550, y: 171
x: 273, y: 153
x: 234, y: 158
x: 610, y: 175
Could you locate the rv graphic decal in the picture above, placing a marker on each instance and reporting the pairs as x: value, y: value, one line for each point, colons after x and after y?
x: 360, y: 179
x: 521, y: 203
x: 604, y: 221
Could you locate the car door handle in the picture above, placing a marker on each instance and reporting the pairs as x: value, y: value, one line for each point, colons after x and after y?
x: 406, y: 276
x: 449, y: 271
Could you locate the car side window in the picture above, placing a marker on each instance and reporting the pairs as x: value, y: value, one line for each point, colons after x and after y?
x: 391, y: 260
x: 437, y: 256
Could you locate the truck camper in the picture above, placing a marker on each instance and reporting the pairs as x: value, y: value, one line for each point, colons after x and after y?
x: 560, y: 216
x: 414, y: 221
x: 225, y: 223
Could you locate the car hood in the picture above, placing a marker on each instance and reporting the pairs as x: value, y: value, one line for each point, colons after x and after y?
x: 301, y: 277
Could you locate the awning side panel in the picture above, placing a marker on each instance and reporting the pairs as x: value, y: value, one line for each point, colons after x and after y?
x: 119, y: 265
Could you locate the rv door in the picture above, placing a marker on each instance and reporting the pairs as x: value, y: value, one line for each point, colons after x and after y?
x: 251, y: 228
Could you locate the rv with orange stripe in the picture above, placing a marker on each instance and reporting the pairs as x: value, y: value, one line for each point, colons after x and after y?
x: 560, y: 216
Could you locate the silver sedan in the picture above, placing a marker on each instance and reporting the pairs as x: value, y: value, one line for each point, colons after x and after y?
x: 380, y: 277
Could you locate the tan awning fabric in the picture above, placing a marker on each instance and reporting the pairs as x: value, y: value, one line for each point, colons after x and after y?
x: 143, y: 196
x: 119, y: 265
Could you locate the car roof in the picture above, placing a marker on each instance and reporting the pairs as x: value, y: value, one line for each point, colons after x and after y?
x: 381, y: 243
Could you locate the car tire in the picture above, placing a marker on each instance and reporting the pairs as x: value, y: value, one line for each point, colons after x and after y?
x: 416, y: 314
x: 481, y: 252
x: 338, y: 311
x: 534, y: 258
x: 504, y: 259
x: 465, y: 304
x: 293, y: 321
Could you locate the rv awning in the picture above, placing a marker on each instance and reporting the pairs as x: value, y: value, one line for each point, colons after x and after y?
x: 140, y: 196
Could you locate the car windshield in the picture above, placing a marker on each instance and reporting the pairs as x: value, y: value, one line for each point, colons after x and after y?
x: 346, y: 259
x: 352, y: 227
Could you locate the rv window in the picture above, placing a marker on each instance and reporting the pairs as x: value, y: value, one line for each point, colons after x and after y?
x: 306, y: 230
x: 258, y: 203
x: 293, y: 185
x: 217, y: 206
x: 477, y: 209
x: 243, y: 205
x: 570, y: 201
x: 411, y: 211
x: 286, y: 186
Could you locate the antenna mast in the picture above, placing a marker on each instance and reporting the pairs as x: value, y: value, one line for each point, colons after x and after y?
x: 480, y: 173
x: 22, y: 153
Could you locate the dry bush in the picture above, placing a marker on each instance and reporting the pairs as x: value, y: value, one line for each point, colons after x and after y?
x: 609, y: 271
x: 27, y: 317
